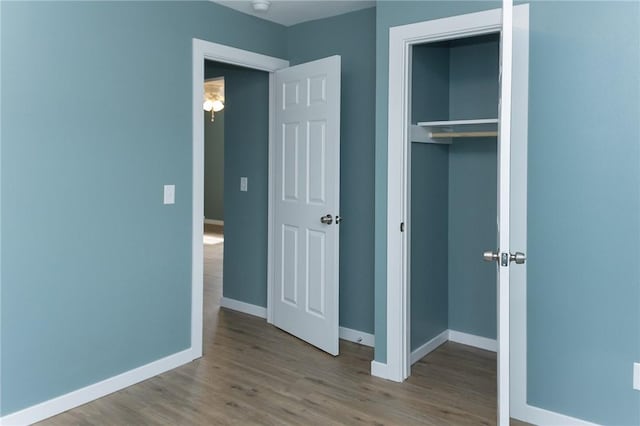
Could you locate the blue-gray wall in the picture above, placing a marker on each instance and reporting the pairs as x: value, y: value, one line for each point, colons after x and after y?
x: 584, y: 194
x: 246, y: 153
x: 353, y: 37
x: 474, y: 67
x: 96, y: 272
x: 429, y: 221
x: 214, y: 165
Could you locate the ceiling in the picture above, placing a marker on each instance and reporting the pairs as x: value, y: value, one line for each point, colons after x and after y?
x: 291, y: 12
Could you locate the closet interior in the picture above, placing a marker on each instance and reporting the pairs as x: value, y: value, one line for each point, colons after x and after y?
x: 453, y: 181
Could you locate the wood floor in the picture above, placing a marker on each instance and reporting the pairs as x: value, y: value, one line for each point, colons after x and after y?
x: 253, y: 373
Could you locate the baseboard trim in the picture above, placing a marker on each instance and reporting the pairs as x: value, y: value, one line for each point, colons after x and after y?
x: 92, y: 392
x: 430, y: 346
x: 244, y: 307
x: 214, y: 222
x: 473, y: 340
x: 357, y: 336
x: 258, y: 311
x: 381, y: 370
x: 539, y: 416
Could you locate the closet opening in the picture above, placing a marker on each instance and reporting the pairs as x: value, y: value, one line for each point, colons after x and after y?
x: 453, y: 193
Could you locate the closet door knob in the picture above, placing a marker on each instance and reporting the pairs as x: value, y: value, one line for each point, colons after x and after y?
x: 517, y: 257
x: 327, y: 219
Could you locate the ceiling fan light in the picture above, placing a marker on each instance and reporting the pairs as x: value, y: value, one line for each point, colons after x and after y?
x: 217, y: 105
x: 208, y: 105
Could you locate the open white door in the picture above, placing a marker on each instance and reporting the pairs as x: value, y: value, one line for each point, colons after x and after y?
x: 307, y: 202
x: 503, y: 256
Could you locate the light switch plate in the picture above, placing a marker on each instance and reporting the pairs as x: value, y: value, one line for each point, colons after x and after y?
x: 169, y: 194
x: 244, y: 182
x: 636, y: 375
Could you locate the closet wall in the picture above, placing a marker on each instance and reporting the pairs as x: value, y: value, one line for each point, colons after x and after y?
x: 453, y: 192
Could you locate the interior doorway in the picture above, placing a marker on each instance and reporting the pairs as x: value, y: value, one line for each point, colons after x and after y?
x: 509, y: 125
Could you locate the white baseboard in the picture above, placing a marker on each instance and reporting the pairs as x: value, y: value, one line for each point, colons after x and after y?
x: 258, y: 311
x: 430, y: 346
x: 247, y: 308
x: 472, y: 340
x: 92, y: 392
x: 214, y: 222
x: 538, y: 416
x: 381, y: 370
x: 356, y: 336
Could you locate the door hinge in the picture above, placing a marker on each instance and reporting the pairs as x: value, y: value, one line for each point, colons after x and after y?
x: 401, y: 226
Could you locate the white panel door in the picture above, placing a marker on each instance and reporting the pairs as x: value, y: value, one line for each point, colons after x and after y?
x: 307, y: 202
x: 504, y: 176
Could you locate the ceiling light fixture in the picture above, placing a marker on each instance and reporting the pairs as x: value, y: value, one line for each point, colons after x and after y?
x: 260, y: 5
x: 213, y: 96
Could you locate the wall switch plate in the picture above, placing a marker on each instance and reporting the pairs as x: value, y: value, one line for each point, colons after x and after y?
x: 636, y: 375
x: 169, y: 194
x: 244, y: 182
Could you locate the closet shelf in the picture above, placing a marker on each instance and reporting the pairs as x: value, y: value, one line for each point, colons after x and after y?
x: 442, y: 132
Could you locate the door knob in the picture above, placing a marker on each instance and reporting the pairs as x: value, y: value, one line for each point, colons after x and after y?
x: 327, y: 219
x: 491, y: 256
x: 517, y: 257
x: 494, y: 256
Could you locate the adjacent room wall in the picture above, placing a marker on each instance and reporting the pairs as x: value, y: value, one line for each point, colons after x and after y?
x: 352, y: 36
x: 96, y: 271
x: 246, y: 153
x: 214, y: 165
x: 584, y: 194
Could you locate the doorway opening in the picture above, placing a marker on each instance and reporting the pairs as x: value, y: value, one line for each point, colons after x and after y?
x: 448, y: 128
x: 452, y: 181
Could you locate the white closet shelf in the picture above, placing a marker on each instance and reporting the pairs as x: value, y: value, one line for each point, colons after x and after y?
x: 442, y: 132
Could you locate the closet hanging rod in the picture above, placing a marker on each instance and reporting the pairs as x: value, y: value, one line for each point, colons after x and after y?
x: 487, y: 134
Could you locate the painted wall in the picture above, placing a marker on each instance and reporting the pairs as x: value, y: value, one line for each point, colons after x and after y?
x: 214, y: 165
x: 353, y: 37
x: 453, y: 192
x: 246, y: 153
x: 99, y: 282
x: 584, y: 193
x: 429, y: 221
x: 474, y: 67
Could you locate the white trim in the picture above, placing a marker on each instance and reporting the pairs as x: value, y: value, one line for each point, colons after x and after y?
x: 203, y: 50
x: 247, y: 308
x: 356, y: 336
x: 381, y: 370
x: 473, y: 340
x: 348, y: 334
x: 539, y: 416
x: 429, y: 347
x: 89, y: 393
x: 214, y: 222
x: 401, y: 39
x: 271, y: 198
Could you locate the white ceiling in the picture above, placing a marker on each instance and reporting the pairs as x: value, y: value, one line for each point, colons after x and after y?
x: 291, y: 12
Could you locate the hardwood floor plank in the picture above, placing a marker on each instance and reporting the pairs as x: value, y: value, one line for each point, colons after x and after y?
x: 254, y: 373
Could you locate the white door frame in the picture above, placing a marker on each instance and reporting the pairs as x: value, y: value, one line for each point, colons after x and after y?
x: 206, y: 50
x: 401, y: 39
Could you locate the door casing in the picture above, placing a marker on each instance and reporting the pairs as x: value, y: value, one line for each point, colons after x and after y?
x: 206, y: 50
x: 401, y: 40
